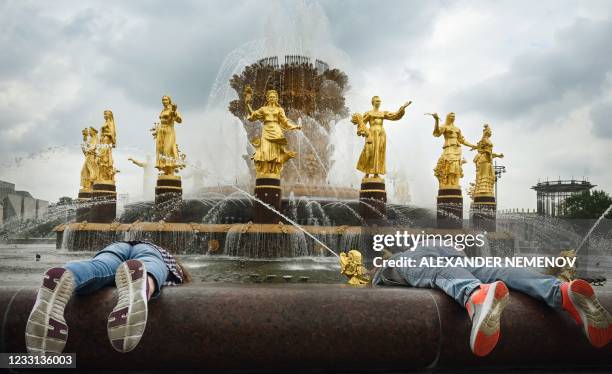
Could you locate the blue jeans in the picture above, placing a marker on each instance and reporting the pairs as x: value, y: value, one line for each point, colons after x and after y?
x: 460, y: 282
x: 91, y: 275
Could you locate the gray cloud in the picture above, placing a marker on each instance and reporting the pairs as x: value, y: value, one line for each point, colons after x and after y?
x: 574, y: 68
x: 601, y: 118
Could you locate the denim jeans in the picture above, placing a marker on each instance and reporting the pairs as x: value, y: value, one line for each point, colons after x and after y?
x: 91, y: 275
x: 460, y: 282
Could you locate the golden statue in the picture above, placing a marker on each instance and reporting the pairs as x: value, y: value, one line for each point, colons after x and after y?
x: 351, y: 265
x: 108, y: 141
x: 270, y: 149
x: 372, y: 159
x: 485, y: 175
x: 449, y: 169
x: 169, y: 158
x: 89, y: 171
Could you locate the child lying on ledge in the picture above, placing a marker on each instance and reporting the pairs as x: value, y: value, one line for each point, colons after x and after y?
x: 483, y: 291
x: 138, y: 269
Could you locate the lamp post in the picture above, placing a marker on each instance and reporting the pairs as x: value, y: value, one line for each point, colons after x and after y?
x: 499, y: 170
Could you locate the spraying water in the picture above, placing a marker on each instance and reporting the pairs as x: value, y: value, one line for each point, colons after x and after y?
x: 288, y: 220
x: 586, y: 237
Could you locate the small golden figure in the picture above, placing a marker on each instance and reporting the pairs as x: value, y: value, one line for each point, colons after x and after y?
x: 372, y: 158
x: 270, y: 149
x: 108, y: 141
x: 89, y: 171
x: 351, y: 265
x: 485, y: 175
x: 449, y: 169
x: 169, y: 159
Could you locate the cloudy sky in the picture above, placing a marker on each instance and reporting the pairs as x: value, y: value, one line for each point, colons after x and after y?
x: 540, y: 72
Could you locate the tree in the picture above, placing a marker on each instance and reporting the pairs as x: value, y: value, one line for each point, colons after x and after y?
x: 588, y: 205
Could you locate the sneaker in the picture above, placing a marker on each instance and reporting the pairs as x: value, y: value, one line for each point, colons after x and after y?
x: 580, y: 302
x: 46, y: 330
x: 485, y: 307
x: 127, y: 321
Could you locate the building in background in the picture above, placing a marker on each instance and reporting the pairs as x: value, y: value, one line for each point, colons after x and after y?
x: 19, y: 205
x: 551, y: 195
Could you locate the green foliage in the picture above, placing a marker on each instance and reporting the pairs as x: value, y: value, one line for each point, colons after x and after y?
x: 588, y: 205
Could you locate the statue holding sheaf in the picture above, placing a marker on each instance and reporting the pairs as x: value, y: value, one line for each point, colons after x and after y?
x: 108, y: 141
x: 89, y: 171
x: 271, y: 151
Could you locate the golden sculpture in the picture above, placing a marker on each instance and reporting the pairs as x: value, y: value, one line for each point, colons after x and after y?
x: 270, y: 149
x: 485, y: 175
x: 169, y: 158
x: 89, y: 171
x: 372, y: 158
x: 449, y: 169
x: 351, y: 265
x: 108, y: 141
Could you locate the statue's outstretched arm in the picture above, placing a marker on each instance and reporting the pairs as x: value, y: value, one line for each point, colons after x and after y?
x: 285, y: 123
x: 137, y: 163
x: 394, y: 116
x: 465, y: 142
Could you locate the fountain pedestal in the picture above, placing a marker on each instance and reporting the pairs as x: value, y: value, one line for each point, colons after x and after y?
x: 83, y: 203
x: 269, y: 191
x: 168, y: 196
x: 483, y: 212
x: 373, y: 200
x: 450, y: 208
x: 103, y: 202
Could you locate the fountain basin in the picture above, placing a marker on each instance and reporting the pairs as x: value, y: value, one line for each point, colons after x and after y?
x: 313, y: 326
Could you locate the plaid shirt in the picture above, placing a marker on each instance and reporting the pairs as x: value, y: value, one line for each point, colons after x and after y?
x: 175, y: 273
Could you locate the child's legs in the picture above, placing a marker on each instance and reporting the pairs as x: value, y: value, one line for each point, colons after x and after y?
x: 91, y: 275
x: 539, y: 286
x: 154, y: 263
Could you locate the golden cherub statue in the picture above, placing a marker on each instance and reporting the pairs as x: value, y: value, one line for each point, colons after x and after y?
x: 485, y: 175
x: 351, y: 265
x: 372, y: 158
x: 89, y: 171
x: 270, y: 149
x: 449, y: 169
x: 108, y: 141
x: 169, y: 159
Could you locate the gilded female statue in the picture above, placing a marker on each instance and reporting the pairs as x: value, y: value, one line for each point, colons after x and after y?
x: 89, y: 171
x: 485, y: 175
x: 449, y: 169
x: 270, y: 149
x: 372, y: 158
x: 169, y: 159
x: 108, y: 141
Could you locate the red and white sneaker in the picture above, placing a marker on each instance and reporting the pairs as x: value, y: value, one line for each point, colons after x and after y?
x: 46, y: 330
x: 580, y: 301
x: 485, y: 307
x: 127, y: 322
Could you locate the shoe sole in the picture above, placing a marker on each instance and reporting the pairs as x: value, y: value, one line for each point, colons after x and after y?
x: 46, y: 330
x: 594, y: 318
x: 486, y: 331
x: 128, y: 320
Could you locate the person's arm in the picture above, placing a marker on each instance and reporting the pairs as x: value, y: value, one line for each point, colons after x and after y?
x: 254, y: 115
x: 137, y: 163
x: 438, y: 131
x: 177, y: 116
x: 465, y: 142
x: 394, y: 116
x: 285, y: 123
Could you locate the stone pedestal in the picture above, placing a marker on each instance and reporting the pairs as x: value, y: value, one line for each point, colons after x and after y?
x: 83, y: 205
x: 483, y: 212
x: 450, y: 208
x: 269, y: 191
x: 103, y: 202
x: 168, y: 197
x: 373, y: 200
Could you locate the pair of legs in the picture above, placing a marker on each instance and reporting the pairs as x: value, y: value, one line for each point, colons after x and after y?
x: 484, y: 293
x: 138, y: 271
